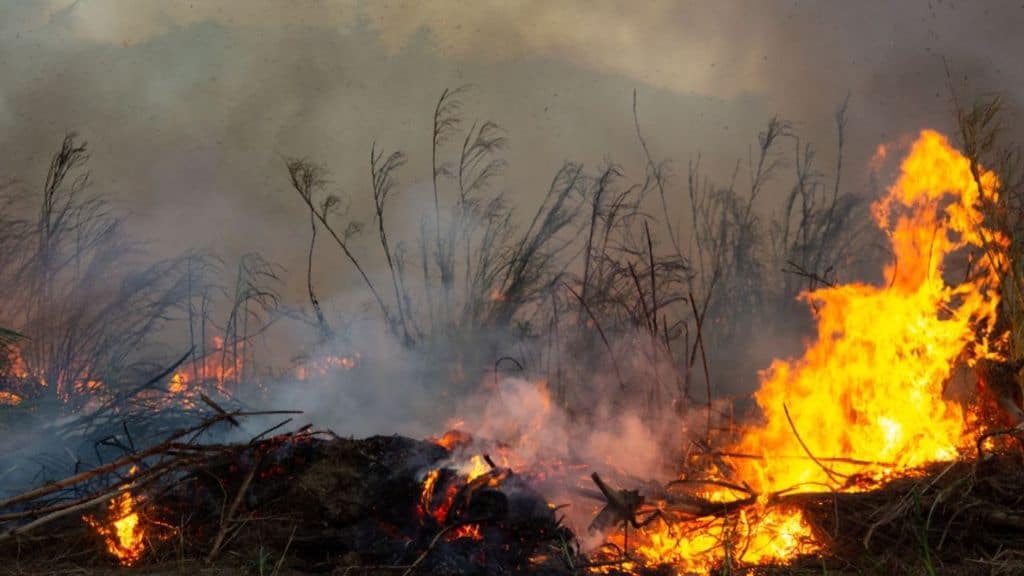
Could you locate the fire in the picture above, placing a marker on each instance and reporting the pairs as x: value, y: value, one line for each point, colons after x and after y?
x: 123, y: 532
x: 218, y: 369
x: 772, y: 535
x: 865, y: 401
x: 477, y: 467
x: 469, y: 531
x: 16, y: 367
x: 871, y: 387
x: 27, y: 382
x: 322, y: 366
x: 9, y: 398
x: 454, y: 438
x: 427, y: 494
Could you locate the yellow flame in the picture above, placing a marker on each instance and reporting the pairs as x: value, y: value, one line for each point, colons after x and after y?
x: 870, y: 388
x: 477, y: 467
x: 123, y: 532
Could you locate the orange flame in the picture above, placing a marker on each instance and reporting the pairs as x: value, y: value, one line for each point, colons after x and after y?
x: 123, y: 533
x: 9, y: 398
x: 325, y: 365
x: 469, y: 531
x: 865, y: 401
x: 871, y: 387
x: 477, y: 467
x: 25, y: 381
x: 16, y: 367
x: 772, y: 535
x: 217, y: 370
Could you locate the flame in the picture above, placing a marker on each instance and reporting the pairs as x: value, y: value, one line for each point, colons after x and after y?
x: 16, y: 367
x: 477, y: 467
x: 871, y: 387
x: 865, y: 401
x: 470, y: 531
x: 26, y: 381
x: 123, y: 532
x: 771, y: 535
x: 325, y: 365
x: 218, y: 369
x: 9, y: 398
x: 453, y: 439
x: 426, y: 506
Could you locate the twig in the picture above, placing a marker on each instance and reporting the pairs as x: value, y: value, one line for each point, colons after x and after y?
x: 699, y: 319
x: 600, y: 331
x: 227, y: 519
x: 131, y: 458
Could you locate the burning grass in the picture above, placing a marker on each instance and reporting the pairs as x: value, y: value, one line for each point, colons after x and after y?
x: 318, y: 504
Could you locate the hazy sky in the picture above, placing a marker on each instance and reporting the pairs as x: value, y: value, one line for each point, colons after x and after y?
x: 191, y: 107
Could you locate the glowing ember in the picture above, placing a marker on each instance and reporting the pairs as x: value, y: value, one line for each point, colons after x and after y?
x: 123, y: 533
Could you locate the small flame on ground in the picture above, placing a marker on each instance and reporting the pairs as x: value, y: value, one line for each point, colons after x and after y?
x: 122, y: 532
x: 468, y: 531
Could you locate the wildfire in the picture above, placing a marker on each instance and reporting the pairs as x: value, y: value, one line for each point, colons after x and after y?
x: 476, y: 467
x: 26, y: 382
x: 865, y: 401
x: 470, y: 531
x: 16, y: 367
x: 216, y: 369
x: 123, y: 532
x: 322, y: 366
x: 771, y: 535
x: 9, y: 398
x: 871, y: 387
